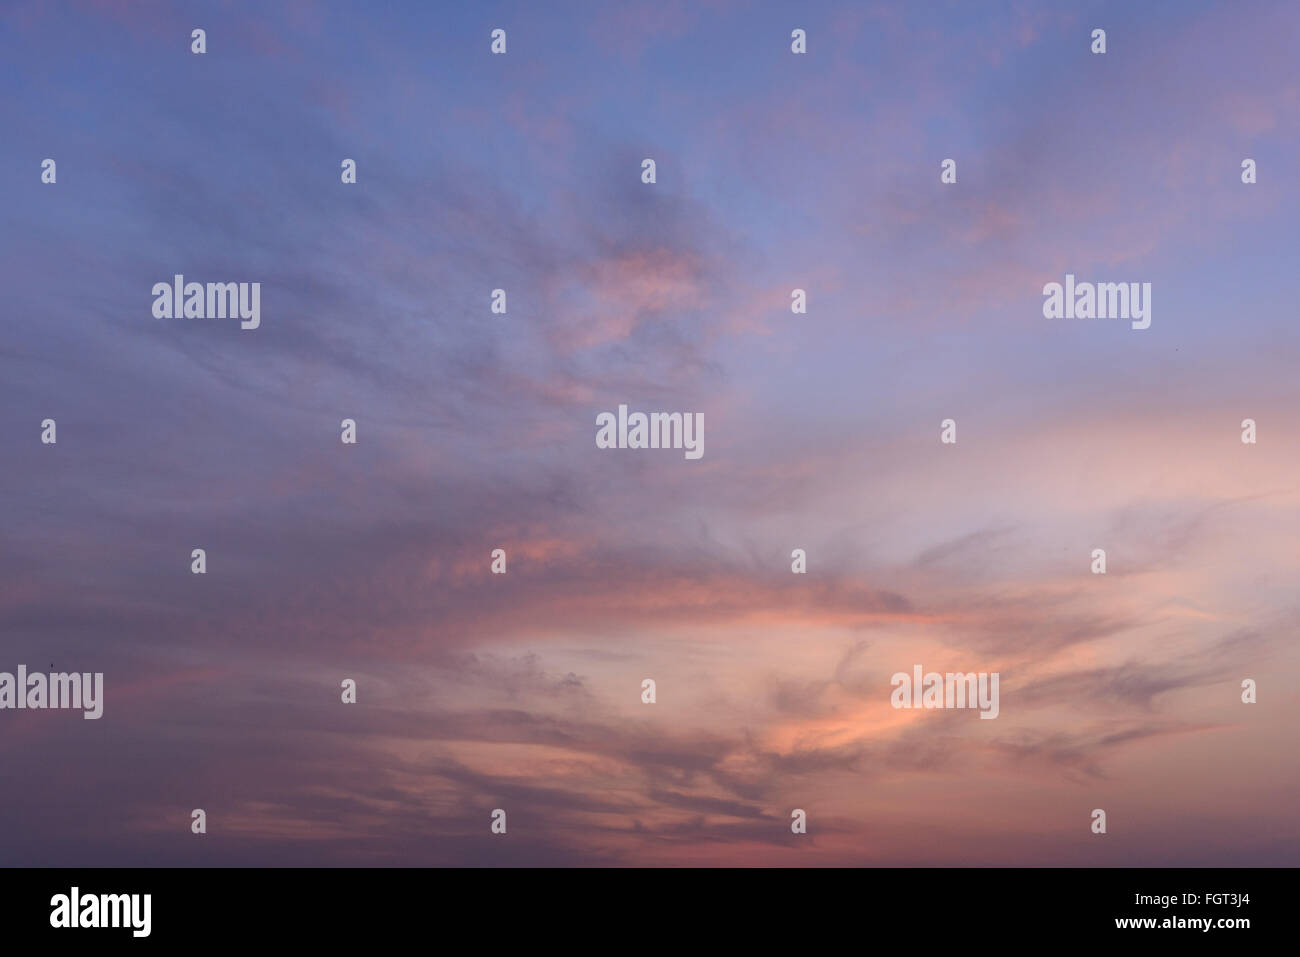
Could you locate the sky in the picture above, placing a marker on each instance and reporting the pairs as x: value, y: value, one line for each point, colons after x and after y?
x: 476, y: 431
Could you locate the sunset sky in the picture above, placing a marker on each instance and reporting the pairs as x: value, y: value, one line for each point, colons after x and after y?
x: 476, y: 431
